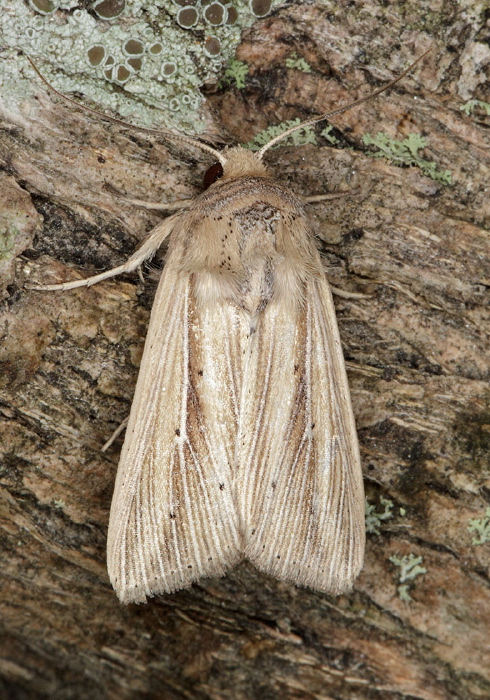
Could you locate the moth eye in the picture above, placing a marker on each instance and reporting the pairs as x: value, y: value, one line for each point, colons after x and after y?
x: 212, y: 174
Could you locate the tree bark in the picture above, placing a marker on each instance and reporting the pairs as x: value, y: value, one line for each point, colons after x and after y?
x: 412, y: 252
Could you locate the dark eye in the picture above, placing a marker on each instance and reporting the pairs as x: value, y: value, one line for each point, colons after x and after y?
x: 212, y: 174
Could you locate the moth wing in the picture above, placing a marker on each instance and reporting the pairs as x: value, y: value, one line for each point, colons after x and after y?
x: 302, y: 499
x: 172, y: 517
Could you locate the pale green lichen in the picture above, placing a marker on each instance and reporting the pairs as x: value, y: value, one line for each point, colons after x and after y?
x: 8, y: 236
x: 327, y: 135
x: 114, y: 52
x: 374, y: 518
x: 406, y: 152
x: 410, y: 569
x: 301, y: 137
x: 482, y: 527
x: 403, y: 593
x: 469, y: 107
x: 298, y: 138
x: 235, y: 74
x: 298, y: 62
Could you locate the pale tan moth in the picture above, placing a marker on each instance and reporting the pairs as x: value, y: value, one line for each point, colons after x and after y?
x: 241, y: 440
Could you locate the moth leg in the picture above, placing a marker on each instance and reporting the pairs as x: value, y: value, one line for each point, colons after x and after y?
x: 159, y: 206
x: 348, y: 295
x: 326, y: 197
x: 148, y: 248
x: 115, y: 435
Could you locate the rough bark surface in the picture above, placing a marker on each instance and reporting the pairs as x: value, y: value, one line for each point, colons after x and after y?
x: 415, y: 252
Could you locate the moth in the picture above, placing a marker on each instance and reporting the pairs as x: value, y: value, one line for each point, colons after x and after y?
x: 241, y: 440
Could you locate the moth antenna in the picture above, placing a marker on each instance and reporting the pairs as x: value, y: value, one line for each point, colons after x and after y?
x: 170, y: 135
x: 345, y: 108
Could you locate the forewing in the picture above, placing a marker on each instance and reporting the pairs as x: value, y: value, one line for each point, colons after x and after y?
x: 299, y: 486
x: 172, y: 516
